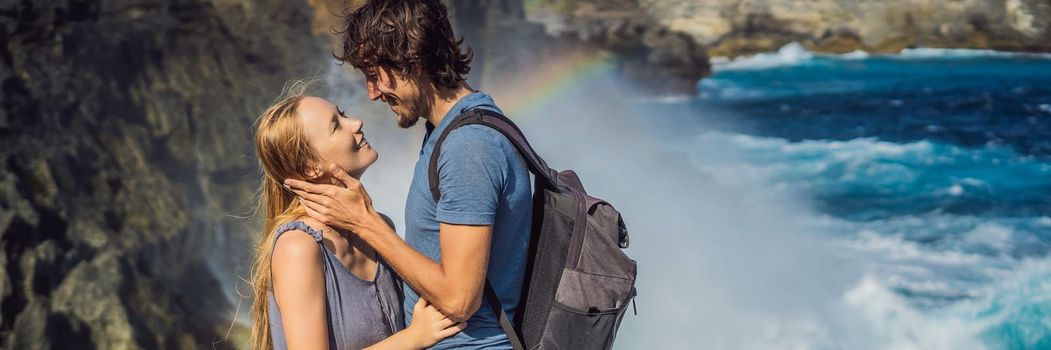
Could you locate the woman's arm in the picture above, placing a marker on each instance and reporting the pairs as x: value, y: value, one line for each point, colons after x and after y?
x: 299, y: 288
x: 429, y: 326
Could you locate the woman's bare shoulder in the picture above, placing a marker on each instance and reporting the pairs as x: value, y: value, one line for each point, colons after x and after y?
x: 295, y: 248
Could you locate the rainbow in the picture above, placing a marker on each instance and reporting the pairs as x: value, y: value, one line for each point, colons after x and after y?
x: 543, y: 85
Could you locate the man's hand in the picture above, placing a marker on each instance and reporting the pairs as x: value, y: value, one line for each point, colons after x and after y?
x: 348, y: 207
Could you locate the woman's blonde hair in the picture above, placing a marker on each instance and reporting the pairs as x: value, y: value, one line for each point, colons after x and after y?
x: 283, y: 153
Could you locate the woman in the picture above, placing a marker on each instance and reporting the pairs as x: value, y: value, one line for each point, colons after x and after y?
x: 315, y: 287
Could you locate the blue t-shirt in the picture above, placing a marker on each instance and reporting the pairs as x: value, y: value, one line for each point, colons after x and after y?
x: 483, y: 181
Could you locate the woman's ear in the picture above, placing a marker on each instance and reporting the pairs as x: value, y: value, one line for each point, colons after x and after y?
x: 314, y: 173
x: 320, y: 176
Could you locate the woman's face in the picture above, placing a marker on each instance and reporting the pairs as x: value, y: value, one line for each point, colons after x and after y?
x: 335, y: 137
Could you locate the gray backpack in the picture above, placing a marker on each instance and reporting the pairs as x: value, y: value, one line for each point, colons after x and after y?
x: 578, y: 281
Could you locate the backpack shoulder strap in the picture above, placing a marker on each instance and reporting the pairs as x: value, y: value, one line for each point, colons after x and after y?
x: 506, y: 127
x: 505, y: 322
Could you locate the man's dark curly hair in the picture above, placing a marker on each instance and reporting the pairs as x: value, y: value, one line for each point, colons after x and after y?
x: 403, y: 35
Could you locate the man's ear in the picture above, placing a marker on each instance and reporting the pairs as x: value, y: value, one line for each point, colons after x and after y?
x: 418, y: 77
x: 385, y: 77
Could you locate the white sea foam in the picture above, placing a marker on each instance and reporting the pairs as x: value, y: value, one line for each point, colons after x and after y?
x: 667, y: 99
x: 921, y: 170
x: 964, y: 53
x: 794, y: 54
x: 991, y: 235
x: 1015, y: 295
x: 891, y: 248
x: 854, y: 55
x: 900, y: 326
x: 737, y: 159
x: 1008, y: 312
x: 788, y: 55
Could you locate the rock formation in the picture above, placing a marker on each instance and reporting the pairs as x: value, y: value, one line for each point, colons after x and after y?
x: 520, y: 40
x: 658, y: 41
x: 126, y: 164
x: 740, y: 27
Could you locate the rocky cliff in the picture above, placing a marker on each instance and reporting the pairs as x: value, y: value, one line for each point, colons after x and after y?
x: 126, y: 164
x: 653, y: 31
x: 521, y: 38
x: 736, y: 27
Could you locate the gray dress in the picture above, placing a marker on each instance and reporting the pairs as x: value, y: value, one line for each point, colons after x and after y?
x: 360, y: 313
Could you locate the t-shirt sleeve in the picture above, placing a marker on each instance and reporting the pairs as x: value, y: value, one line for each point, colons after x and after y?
x: 389, y: 221
x: 472, y: 170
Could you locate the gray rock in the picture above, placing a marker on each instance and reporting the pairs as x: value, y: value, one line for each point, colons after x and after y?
x: 124, y: 146
x: 730, y: 28
x: 90, y: 293
x: 733, y: 28
x: 30, y: 329
x: 513, y: 45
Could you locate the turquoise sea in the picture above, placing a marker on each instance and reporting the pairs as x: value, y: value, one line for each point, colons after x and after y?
x: 806, y: 201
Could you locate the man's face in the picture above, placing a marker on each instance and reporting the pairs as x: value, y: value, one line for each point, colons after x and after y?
x: 401, y: 93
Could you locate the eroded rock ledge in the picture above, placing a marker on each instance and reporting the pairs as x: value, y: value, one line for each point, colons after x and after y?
x: 125, y: 158
x: 666, y: 43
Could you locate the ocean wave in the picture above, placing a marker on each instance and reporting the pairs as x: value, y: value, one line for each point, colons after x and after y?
x: 897, y: 325
x: 929, y: 275
x: 1008, y: 314
x: 990, y: 236
x: 893, y: 248
x: 788, y: 55
x: 737, y: 260
x: 974, y: 235
x: 666, y: 99
x: 916, y: 246
x: 935, y: 261
x: 867, y: 178
x: 944, y: 246
x: 730, y: 90
x: 794, y: 54
x: 925, y: 53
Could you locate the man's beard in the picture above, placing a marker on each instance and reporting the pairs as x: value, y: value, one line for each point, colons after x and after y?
x: 406, y: 123
x: 415, y: 113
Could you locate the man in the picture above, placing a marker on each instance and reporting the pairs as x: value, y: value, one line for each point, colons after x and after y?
x: 479, y: 228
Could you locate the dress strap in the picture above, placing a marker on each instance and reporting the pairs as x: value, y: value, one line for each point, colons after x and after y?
x: 297, y: 225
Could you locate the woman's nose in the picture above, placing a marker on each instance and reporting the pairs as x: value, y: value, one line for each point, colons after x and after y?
x: 357, y: 124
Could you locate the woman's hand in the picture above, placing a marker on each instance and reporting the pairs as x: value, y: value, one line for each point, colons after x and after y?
x: 429, y: 326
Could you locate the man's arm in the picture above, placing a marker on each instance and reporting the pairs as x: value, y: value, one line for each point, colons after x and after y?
x: 455, y: 285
